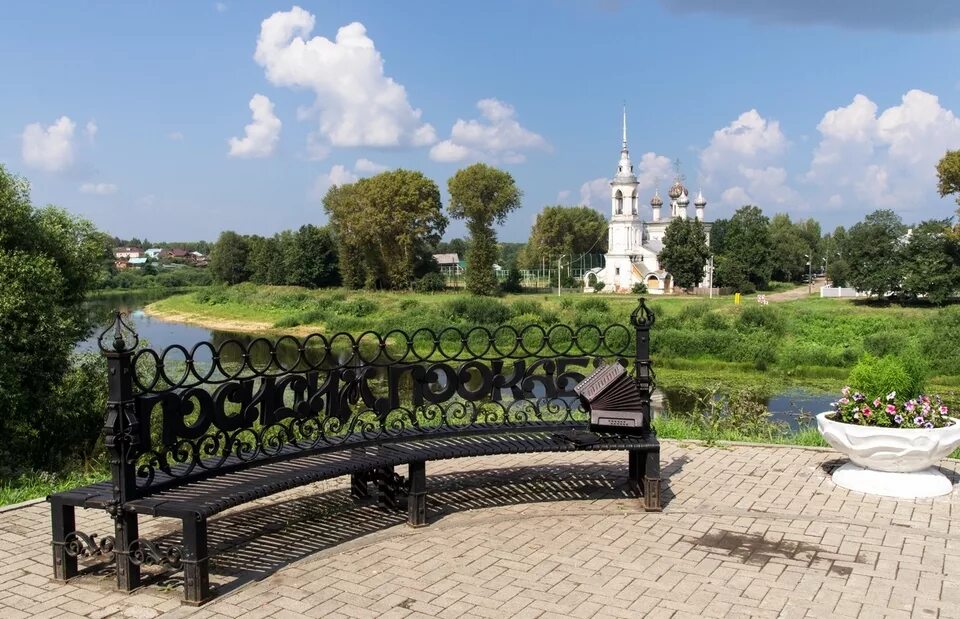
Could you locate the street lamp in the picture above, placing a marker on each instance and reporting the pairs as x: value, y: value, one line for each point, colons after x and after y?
x: 559, y: 261
x: 809, y: 273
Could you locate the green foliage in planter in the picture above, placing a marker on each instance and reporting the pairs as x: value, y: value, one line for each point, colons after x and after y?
x: 880, y: 375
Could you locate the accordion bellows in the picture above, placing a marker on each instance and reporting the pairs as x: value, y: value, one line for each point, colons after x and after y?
x: 613, y: 399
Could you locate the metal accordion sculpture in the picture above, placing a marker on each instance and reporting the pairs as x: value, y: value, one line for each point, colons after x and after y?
x: 613, y: 400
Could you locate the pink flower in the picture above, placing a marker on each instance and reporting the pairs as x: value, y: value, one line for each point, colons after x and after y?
x: 944, y: 410
x: 845, y: 390
x: 910, y: 406
x: 876, y: 403
x: 891, y: 409
x: 866, y: 411
x: 844, y: 401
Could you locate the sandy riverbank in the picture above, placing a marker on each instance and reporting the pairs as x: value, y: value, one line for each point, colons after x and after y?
x: 230, y: 325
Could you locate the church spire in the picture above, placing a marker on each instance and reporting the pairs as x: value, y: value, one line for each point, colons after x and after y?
x: 624, y: 148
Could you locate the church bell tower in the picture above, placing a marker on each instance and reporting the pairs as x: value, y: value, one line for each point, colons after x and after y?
x: 625, y: 232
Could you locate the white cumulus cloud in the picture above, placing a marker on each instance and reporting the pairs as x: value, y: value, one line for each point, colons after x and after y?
x: 338, y: 175
x: 260, y: 136
x: 100, y: 189
x: 497, y: 136
x: 356, y: 103
x: 91, y: 130
x: 743, y: 161
x: 176, y: 136
x: 883, y: 158
x: 48, y: 148
x: 366, y: 166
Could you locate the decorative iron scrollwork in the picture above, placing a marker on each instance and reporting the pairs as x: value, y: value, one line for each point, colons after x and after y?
x: 79, y: 544
x: 144, y: 552
x: 121, y: 333
x: 642, y: 316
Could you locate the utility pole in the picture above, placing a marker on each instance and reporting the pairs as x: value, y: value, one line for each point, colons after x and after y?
x: 809, y: 273
x: 710, y: 276
x: 559, y: 261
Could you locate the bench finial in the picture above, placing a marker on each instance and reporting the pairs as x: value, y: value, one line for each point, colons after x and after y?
x: 121, y: 331
x: 642, y: 316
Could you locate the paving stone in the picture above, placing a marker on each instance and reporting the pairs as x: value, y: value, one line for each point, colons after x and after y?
x: 746, y: 531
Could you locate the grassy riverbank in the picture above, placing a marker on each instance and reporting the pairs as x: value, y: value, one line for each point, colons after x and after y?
x: 696, y: 342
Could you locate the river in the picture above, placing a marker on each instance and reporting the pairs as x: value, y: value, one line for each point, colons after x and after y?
x: 792, y: 406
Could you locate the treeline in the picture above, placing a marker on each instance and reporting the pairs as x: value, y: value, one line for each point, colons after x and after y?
x: 382, y: 234
x: 306, y: 257
x: 750, y: 250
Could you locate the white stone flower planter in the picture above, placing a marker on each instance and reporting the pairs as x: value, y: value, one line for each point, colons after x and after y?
x: 891, y: 461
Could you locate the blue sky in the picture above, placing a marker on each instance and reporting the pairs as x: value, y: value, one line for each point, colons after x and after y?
x: 124, y: 112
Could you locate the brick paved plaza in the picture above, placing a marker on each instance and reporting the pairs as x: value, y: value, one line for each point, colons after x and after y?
x: 746, y: 531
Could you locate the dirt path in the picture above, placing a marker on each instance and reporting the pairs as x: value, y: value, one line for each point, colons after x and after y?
x: 800, y: 292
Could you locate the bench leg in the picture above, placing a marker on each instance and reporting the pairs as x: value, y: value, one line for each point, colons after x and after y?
x: 126, y: 531
x: 417, y: 497
x: 651, y: 482
x: 635, y: 471
x: 389, y: 487
x: 360, y: 485
x: 196, y: 579
x: 64, y: 523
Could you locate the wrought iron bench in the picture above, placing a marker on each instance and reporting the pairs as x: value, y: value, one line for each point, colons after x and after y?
x: 191, y: 433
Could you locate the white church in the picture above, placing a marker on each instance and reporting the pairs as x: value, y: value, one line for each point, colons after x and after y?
x: 634, y: 245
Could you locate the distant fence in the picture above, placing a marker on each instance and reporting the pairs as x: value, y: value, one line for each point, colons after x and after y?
x: 839, y: 293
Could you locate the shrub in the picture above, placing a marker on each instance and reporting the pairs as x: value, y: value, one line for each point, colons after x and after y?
x: 598, y: 286
x: 212, y: 296
x: 715, y: 321
x: 357, y: 307
x: 884, y: 343
x: 566, y: 303
x: 525, y: 306
x: 477, y: 310
x: 588, y: 305
x: 512, y: 283
x: 766, y: 318
x: 639, y: 288
x: 693, y: 312
x: 881, y: 375
x: 431, y: 282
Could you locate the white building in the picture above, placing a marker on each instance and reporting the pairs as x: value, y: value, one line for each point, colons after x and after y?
x: 634, y: 246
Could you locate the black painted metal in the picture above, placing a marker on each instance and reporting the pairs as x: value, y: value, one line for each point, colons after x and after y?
x: 216, y: 421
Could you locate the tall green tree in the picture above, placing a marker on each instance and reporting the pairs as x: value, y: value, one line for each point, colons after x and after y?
x: 482, y: 195
x: 931, y: 262
x: 948, y: 175
x: 565, y: 230
x: 746, y: 237
x: 792, y: 242
x: 874, y: 252
x: 312, y: 258
x: 385, y: 226
x: 229, y: 258
x: 685, y: 252
x: 49, y: 260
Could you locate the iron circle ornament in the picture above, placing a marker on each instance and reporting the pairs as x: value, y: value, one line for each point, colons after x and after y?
x: 611, y: 334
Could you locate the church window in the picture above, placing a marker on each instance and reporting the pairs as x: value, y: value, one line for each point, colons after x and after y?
x: 616, y: 271
x: 619, y: 202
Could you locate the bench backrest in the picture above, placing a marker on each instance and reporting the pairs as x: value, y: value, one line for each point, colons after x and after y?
x: 178, y: 414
